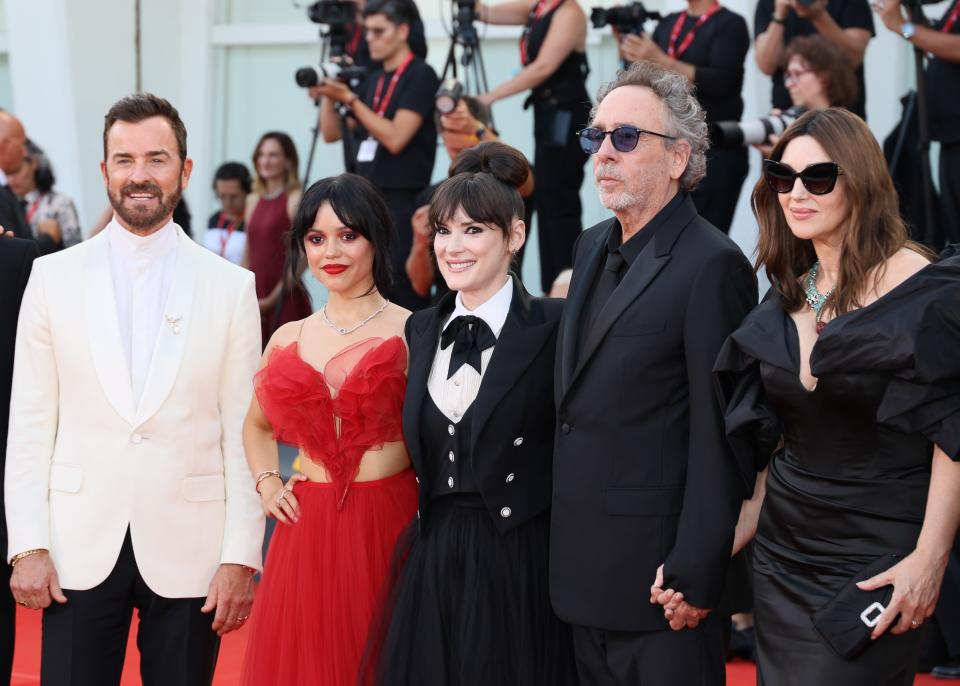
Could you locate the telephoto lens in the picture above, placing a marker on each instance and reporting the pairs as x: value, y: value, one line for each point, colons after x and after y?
x: 727, y: 135
x: 313, y: 75
x: 448, y: 95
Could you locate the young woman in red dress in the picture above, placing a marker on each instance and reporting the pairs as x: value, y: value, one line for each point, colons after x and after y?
x: 333, y: 385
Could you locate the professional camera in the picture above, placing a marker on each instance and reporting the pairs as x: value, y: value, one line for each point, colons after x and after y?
x: 332, y: 12
x: 624, y: 18
x: 314, y: 75
x: 735, y: 134
x: 448, y: 95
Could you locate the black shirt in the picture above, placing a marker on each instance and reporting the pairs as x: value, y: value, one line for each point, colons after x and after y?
x: 566, y: 86
x: 629, y: 251
x: 412, y: 167
x: 849, y: 14
x: 943, y: 92
x: 717, y: 52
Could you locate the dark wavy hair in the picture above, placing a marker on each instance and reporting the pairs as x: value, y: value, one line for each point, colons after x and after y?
x: 484, y: 181
x: 360, y: 206
x: 43, y: 176
x: 829, y: 63
x: 234, y: 171
x: 874, y: 230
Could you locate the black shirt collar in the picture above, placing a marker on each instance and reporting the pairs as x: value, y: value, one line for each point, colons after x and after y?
x: 636, y: 243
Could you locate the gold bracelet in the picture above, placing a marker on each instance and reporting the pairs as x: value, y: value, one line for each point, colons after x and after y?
x: 26, y: 553
x: 266, y: 475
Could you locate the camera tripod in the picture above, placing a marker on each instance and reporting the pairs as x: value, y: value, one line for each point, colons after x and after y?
x: 464, y: 33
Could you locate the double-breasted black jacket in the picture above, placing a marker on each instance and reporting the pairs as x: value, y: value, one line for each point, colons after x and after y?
x: 643, y: 474
x: 511, y: 442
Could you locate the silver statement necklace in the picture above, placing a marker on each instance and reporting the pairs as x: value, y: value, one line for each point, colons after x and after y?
x: 342, y: 331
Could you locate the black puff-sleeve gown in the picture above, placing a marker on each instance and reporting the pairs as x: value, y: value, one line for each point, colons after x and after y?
x: 849, y: 483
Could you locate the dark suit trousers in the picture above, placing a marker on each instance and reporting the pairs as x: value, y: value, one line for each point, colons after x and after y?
x: 85, y: 640
x: 691, y: 657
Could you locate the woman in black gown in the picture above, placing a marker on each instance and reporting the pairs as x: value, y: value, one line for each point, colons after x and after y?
x: 471, y: 606
x: 851, y: 365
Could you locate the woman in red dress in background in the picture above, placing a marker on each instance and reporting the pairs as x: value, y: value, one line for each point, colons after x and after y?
x: 332, y: 384
x: 276, y: 194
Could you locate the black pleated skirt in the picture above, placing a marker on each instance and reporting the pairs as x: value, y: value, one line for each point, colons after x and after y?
x: 471, y: 607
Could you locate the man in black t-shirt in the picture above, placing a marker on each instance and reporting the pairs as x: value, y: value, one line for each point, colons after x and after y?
x: 941, y: 43
x: 392, y: 120
x: 847, y: 23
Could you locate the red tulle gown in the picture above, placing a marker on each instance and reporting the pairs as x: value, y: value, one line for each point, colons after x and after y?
x: 325, y: 575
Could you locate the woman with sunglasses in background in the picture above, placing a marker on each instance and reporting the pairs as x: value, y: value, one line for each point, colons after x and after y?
x: 850, y: 366
x: 471, y: 607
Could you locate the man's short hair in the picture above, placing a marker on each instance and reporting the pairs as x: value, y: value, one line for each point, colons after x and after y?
x: 234, y: 171
x: 397, y: 11
x: 140, y: 106
x: 685, y: 118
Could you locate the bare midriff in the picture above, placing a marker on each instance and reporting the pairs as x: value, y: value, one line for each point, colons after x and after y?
x: 391, y: 459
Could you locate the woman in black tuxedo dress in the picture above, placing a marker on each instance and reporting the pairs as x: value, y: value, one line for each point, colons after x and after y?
x: 851, y: 364
x: 471, y: 605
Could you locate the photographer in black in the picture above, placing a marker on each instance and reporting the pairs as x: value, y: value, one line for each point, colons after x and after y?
x: 392, y: 118
x: 707, y: 44
x: 555, y: 71
x: 941, y: 43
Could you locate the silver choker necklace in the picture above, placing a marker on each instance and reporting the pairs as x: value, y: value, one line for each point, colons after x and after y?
x: 343, y: 332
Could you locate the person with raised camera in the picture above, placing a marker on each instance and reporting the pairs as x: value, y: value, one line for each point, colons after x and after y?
x: 941, y: 43
x: 708, y: 44
x: 846, y: 23
x: 392, y: 120
x: 554, y: 70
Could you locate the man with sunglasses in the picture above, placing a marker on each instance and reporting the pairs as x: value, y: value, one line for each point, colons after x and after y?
x: 392, y: 114
x: 646, y: 491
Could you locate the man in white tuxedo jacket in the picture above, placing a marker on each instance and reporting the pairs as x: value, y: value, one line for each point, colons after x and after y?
x: 126, y: 483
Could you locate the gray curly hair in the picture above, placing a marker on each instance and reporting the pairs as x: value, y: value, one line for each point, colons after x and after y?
x: 685, y: 118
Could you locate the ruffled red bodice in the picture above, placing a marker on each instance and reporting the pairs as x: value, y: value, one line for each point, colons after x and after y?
x: 368, y: 381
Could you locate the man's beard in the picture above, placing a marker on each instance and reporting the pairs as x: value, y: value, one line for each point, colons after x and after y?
x: 143, y: 218
x: 614, y: 201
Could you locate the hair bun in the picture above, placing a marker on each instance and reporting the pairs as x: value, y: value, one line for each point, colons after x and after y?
x: 506, y: 164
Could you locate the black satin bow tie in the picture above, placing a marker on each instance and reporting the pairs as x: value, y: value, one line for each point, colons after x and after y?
x: 470, y: 336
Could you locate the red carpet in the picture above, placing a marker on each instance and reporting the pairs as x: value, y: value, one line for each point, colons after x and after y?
x: 26, y: 662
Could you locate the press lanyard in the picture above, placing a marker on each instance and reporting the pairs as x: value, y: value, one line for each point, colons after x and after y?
x: 536, y: 13
x: 33, y: 208
x: 381, y: 108
x: 672, y: 49
x: 952, y: 19
x: 224, y: 222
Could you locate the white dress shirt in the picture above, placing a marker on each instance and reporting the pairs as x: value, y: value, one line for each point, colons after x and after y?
x: 454, y: 396
x: 142, y: 268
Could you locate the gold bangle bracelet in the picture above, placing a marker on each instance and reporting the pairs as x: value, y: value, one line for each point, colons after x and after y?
x: 266, y: 475
x: 26, y: 553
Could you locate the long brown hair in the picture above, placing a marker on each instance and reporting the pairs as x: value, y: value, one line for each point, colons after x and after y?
x: 291, y: 179
x: 874, y: 229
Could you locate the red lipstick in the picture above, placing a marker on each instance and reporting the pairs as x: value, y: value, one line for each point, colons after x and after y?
x: 334, y: 268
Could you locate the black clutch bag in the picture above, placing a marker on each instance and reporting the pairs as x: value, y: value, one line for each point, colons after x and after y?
x: 847, y: 620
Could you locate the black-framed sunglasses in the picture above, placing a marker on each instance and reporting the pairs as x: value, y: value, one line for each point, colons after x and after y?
x: 818, y: 179
x: 624, y: 138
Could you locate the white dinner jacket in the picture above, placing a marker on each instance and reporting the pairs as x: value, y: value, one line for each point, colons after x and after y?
x: 85, y: 461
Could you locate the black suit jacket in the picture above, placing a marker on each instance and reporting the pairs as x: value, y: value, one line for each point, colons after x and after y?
x: 642, y: 471
x: 513, y: 420
x: 16, y: 260
x: 12, y: 217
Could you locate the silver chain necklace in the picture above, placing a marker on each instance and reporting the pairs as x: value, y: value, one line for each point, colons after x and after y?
x: 343, y: 332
